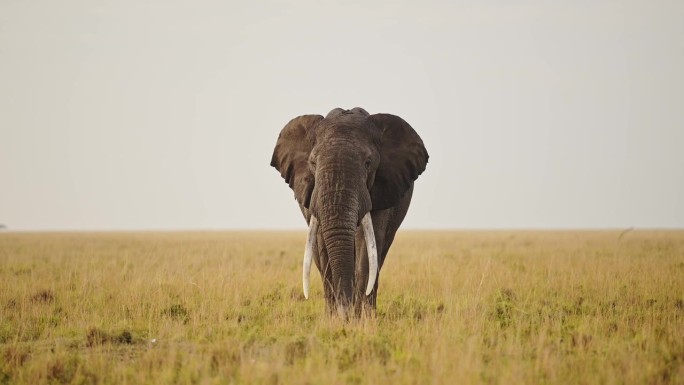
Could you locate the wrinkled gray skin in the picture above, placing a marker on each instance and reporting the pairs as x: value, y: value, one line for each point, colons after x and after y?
x: 341, y: 167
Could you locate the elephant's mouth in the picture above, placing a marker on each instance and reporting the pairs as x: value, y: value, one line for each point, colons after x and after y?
x: 371, y: 247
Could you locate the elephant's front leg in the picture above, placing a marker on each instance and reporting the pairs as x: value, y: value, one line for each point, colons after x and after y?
x: 365, y: 305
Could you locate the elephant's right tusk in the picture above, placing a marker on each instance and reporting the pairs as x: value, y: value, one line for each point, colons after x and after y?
x: 308, y: 254
x: 372, y: 249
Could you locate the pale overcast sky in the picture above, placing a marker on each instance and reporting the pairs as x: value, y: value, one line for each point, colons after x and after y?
x: 163, y: 115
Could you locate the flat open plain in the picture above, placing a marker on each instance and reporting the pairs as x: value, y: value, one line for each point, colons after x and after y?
x: 494, y: 307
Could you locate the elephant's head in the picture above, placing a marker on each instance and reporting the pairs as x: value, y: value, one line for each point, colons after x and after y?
x: 341, y: 167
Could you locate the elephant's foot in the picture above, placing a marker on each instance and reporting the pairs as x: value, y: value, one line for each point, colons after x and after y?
x: 336, y: 310
x: 365, y: 306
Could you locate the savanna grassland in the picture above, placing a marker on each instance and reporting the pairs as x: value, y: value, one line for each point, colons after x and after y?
x: 455, y: 307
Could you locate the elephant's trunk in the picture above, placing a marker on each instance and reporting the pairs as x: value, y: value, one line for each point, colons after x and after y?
x: 372, y: 251
x: 338, y: 219
x: 340, y: 245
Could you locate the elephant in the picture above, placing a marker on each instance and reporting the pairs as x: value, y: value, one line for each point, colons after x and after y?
x: 352, y: 174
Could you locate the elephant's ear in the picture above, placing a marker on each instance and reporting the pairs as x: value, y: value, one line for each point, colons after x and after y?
x: 402, y: 158
x: 291, y: 156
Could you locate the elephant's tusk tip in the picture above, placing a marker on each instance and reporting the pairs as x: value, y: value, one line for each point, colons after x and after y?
x: 305, y: 288
x: 308, y: 255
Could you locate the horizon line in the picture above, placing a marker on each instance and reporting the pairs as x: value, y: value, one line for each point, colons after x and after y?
x: 304, y: 229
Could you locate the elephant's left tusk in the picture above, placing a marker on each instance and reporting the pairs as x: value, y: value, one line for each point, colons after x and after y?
x: 308, y: 254
x: 369, y: 235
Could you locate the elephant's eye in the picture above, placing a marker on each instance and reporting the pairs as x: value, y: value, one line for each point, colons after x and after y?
x: 368, y: 163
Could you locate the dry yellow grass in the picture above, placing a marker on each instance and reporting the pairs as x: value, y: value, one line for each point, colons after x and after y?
x: 454, y: 307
